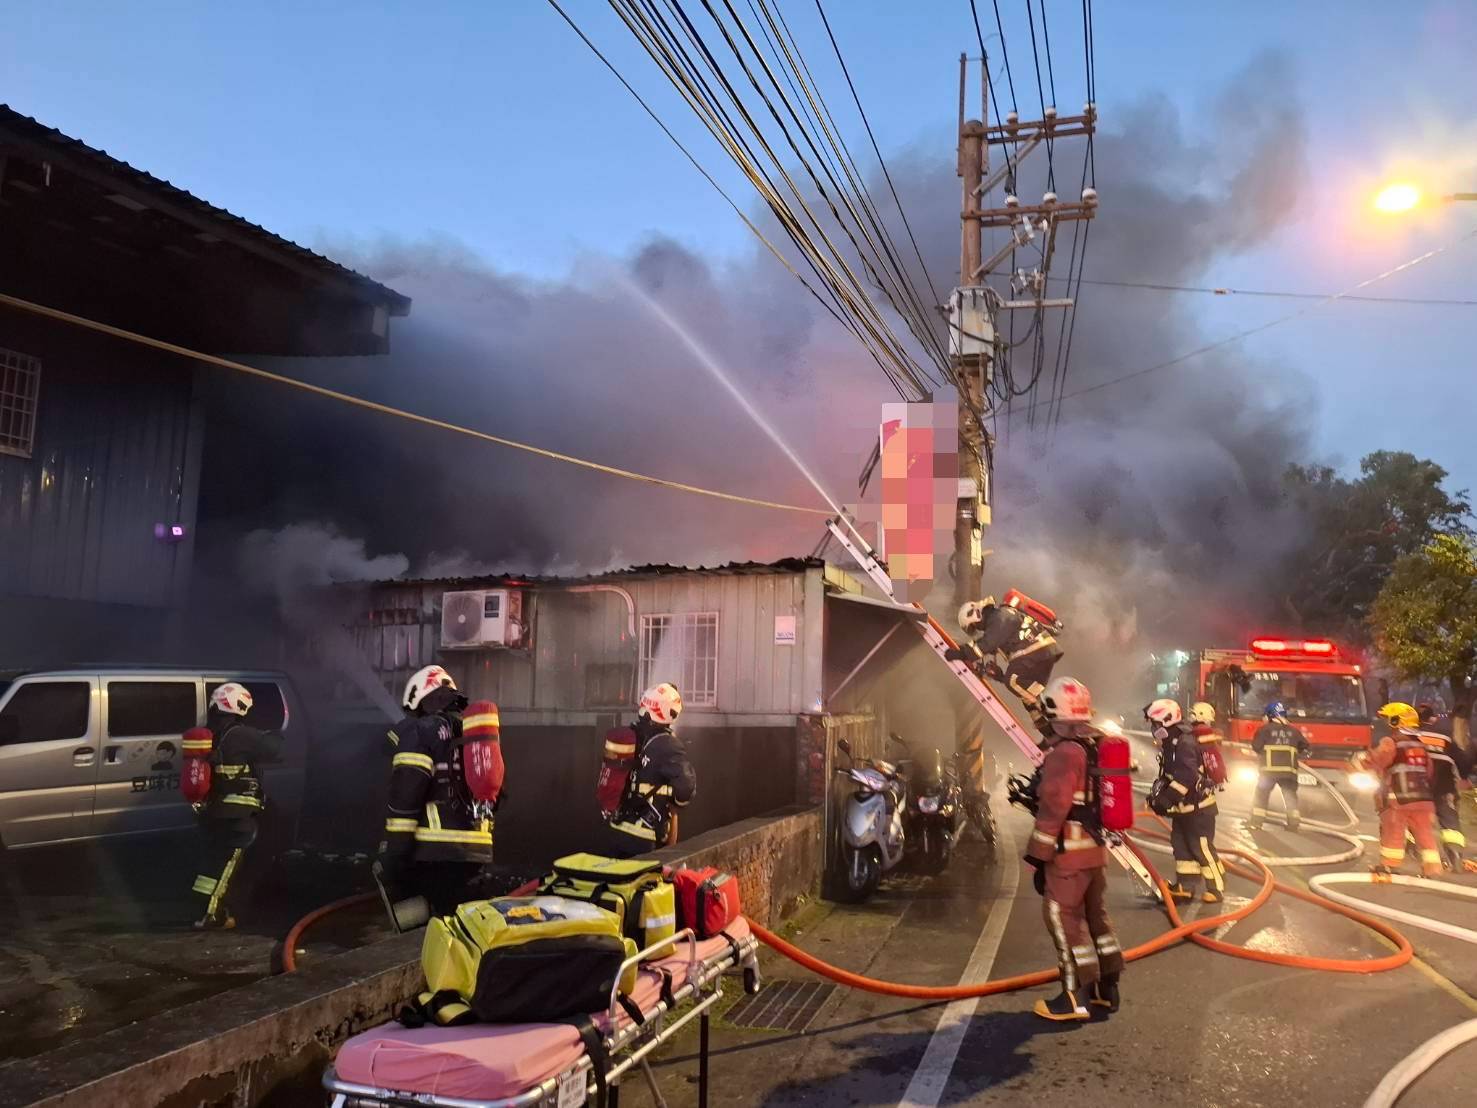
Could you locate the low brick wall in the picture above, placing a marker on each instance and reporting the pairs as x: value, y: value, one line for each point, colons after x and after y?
x: 267, y: 1044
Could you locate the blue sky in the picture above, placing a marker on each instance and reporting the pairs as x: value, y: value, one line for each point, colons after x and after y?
x: 490, y: 124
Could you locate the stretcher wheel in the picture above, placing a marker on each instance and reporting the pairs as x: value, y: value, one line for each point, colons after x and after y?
x: 751, y: 981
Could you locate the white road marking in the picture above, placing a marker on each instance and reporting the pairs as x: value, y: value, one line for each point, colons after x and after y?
x: 932, y: 1075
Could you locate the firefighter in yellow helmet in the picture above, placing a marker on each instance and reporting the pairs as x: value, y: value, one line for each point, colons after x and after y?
x: 1405, y: 797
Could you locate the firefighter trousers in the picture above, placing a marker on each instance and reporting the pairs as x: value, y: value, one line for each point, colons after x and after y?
x: 1265, y: 783
x: 1449, y: 817
x: 1192, y: 835
x: 1419, y: 818
x: 1027, y: 677
x: 226, y: 844
x: 1076, y: 915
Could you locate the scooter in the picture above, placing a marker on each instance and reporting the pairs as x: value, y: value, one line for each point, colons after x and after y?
x: 872, y: 832
x: 935, y: 814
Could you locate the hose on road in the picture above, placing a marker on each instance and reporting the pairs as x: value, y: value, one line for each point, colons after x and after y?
x: 1179, y: 931
x: 1388, y: 1091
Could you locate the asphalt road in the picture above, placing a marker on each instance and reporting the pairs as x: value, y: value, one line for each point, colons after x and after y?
x: 1196, y: 1027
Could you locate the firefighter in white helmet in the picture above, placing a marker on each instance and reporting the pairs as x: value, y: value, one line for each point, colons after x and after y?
x: 436, y: 841
x: 663, y: 781
x: 233, y: 810
x: 1185, y: 792
x: 1012, y: 642
x: 1068, y: 854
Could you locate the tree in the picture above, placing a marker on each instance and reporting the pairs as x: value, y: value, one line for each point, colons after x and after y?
x: 1355, y: 533
x: 1425, y: 620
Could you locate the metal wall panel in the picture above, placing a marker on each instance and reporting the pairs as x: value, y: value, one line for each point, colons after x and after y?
x: 116, y: 452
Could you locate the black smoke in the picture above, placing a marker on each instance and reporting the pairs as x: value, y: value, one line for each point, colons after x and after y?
x: 1149, y: 514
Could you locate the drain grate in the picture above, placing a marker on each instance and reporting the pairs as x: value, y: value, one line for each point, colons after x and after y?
x: 782, y: 1005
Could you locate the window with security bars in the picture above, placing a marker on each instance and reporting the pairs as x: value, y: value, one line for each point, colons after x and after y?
x: 683, y: 649
x: 20, y: 383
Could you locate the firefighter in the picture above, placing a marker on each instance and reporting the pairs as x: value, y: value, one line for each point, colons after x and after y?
x: 234, y: 807
x: 1405, y: 797
x: 1011, y: 646
x: 1277, y: 745
x: 1185, y: 792
x: 437, y: 839
x: 662, y: 783
x: 1449, y: 764
x: 1069, y: 859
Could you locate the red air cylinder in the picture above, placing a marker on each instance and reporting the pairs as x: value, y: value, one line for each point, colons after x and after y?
x: 1038, y: 611
x: 1211, y: 756
x: 194, y: 779
x: 482, y: 751
x: 1115, y: 784
x: 616, y: 767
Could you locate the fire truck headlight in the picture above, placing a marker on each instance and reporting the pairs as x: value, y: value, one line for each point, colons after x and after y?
x: 1363, y: 781
x: 1246, y: 775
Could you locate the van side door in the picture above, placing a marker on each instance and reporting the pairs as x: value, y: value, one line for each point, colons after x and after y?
x: 48, y: 759
x: 144, y: 721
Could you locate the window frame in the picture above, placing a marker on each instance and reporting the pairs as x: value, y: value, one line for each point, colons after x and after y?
x: 693, y: 695
x: 89, y: 687
x: 26, y: 408
x: 192, y: 683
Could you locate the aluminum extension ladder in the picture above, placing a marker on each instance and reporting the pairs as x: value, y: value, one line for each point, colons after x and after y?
x: 939, y: 641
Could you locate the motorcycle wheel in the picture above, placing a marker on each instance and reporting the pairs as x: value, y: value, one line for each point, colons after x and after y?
x: 861, y: 872
x: 982, y: 819
x: 937, y: 850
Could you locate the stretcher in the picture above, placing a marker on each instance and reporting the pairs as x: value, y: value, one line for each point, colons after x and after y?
x: 558, y: 1065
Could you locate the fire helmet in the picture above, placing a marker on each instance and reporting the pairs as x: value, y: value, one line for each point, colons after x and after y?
x: 1276, y: 712
x: 1402, y: 715
x: 231, y: 698
x: 1067, y: 700
x: 972, y: 613
x: 423, y: 682
x: 661, y: 704
x: 1164, y: 712
x: 1201, y: 712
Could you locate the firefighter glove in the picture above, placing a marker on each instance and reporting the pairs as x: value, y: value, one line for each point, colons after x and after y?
x: 1038, y: 874
x: 956, y: 654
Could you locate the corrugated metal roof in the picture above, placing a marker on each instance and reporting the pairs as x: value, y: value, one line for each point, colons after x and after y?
x: 728, y: 569
x: 23, y: 128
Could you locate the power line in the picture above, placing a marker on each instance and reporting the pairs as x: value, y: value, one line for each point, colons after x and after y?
x: 390, y: 410
x: 1221, y: 290
x: 1238, y: 336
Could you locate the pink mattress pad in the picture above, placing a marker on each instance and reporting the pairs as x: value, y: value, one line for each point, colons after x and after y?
x: 488, y: 1061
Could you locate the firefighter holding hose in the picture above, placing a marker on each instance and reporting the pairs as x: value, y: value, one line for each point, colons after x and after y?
x: 1069, y: 858
x: 663, y: 781
x: 1278, y: 745
x: 1405, y: 799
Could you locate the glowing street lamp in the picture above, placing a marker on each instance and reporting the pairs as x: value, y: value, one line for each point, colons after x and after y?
x: 1399, y: 197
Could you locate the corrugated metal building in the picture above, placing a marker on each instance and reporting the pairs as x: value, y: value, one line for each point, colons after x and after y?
x: 774, y: 661
x: 100, y: 438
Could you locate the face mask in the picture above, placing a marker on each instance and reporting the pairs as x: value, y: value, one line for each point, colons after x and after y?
x: 1161, y: 733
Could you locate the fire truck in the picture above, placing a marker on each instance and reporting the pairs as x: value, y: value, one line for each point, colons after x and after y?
x: 1320, y: 688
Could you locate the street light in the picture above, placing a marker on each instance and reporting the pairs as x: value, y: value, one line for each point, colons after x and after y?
x: 1399, y: 197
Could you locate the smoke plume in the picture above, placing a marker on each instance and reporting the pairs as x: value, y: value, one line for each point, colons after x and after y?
x: 1147, y: 516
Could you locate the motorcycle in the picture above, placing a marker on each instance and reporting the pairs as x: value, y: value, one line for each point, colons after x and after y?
x: 936, y: 816
x: 872, y: 832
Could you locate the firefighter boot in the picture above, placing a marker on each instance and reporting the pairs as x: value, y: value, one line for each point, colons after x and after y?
x: 219, y: 921
x: 1451, y: 858
x: 1063, y: 1008
x: 1294, y: 820
x: 1105, y: 993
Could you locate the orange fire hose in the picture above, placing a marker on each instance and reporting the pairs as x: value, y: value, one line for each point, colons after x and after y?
x: 1179, y: 931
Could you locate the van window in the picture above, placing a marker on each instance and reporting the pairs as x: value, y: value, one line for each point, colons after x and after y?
x: 267, y: 709
x: 47, y: 710
x: 150, y: 707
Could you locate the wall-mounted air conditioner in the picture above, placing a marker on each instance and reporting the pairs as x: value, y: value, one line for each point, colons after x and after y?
x: 482, y: 619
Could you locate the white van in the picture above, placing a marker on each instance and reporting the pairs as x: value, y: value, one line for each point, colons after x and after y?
x: 94, y: 752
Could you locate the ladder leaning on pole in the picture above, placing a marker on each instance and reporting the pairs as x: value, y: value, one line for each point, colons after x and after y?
x: 940, y: 642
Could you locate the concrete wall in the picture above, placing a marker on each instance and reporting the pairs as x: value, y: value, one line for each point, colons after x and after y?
x: 267, y: 1044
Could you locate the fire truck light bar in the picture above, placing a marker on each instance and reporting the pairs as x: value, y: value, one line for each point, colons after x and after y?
x: 1317, y: 647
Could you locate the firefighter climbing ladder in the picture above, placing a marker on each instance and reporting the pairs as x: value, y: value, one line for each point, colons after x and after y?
x: 939, y: 641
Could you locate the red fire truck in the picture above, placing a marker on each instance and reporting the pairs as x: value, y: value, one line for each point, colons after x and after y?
x: 1321, y: 690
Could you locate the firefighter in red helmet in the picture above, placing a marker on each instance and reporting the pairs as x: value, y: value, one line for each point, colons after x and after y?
x: 1068, y: 855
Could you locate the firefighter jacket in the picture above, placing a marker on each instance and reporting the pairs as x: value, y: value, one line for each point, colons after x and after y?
x: 430, y: 816
x: 1278, y: 746
x: 236, y: 784
x: 1183, y: 764
x: 1404, y: 764
x: 1009, y: 635
x: 664, y: 778
x: 1067, y: 825
x: 1449, y: 763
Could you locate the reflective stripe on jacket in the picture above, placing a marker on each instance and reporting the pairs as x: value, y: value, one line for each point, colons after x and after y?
x: 1278, y: 747
x: 430, y: 815
x: 236, y: 785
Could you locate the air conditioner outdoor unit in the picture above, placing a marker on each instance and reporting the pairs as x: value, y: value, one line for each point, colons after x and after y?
x: 482, y: 619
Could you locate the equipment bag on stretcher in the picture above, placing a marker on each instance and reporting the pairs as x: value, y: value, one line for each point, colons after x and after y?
x: 634, y: 890
x: 519, y: 959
